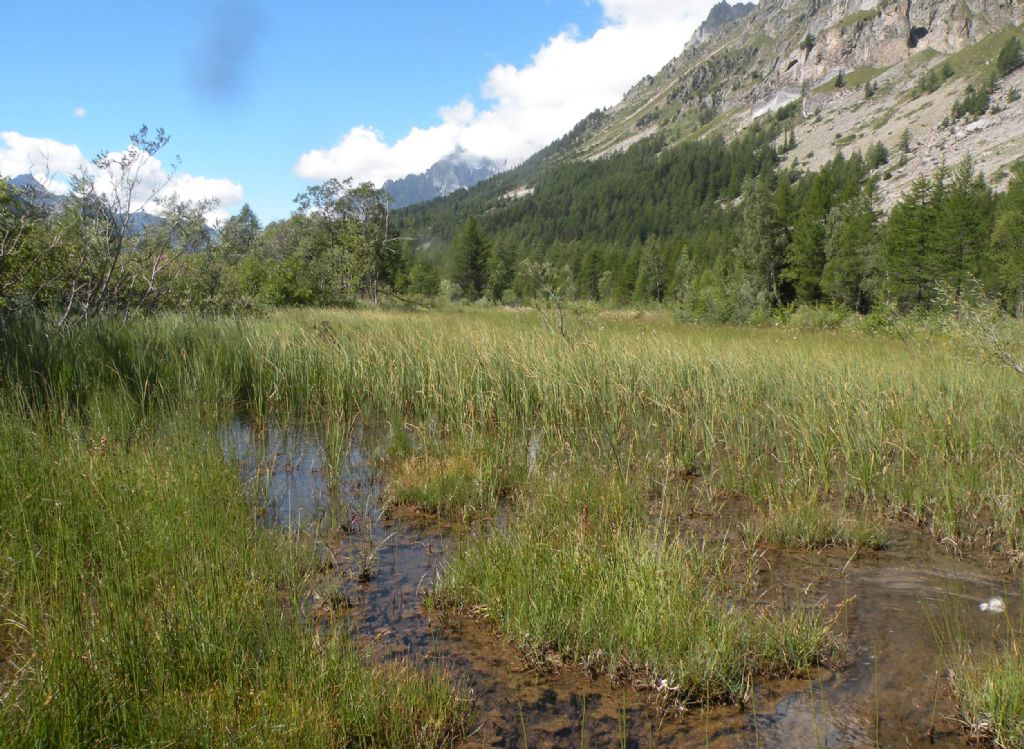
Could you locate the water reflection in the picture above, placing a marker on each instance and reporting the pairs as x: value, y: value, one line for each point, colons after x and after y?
x: 900, y: 604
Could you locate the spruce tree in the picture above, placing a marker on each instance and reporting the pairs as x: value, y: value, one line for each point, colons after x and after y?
x: 500, y: 270
x: 849, y: 276
x: 1009, y: 56
x: 806, y: 254
x: 760, y: 250
x: 469, y: 260
x: 962, y: 230
x: 909, y: 237
x: 1008, y: 241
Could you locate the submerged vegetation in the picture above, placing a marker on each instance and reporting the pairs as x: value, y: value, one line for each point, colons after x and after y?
x: 144, y: 603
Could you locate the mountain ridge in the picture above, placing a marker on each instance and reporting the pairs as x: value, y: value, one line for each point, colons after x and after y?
x: 788, y: 50
x: 35, y: 194
x: 743, y: 63
x: 783, y: 59
x: 456, y: 171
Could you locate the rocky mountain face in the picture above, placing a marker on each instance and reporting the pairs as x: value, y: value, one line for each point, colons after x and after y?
x: 748, y: 61
x: 456, y: 171
x: 28, y: 188
x: 721, y: 14
x: 849, y: 34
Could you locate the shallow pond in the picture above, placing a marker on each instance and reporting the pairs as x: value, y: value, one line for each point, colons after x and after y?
x: 377, y: 566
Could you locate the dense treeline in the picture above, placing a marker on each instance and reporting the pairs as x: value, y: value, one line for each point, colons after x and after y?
x: 713, y: 227
x: 129, y: 246
x: 744, y: 237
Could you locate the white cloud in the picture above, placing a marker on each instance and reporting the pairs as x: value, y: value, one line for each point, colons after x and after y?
x: 49, y: 161
x: 655, y: 11
x: 530, y: 106
x: 80, y: 113
x: 52, y: 163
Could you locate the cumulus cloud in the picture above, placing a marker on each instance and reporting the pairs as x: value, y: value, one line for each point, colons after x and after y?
x: 528, y: 107
x: 80, y: 113
x: 52, y: 163
x: 49, y: 161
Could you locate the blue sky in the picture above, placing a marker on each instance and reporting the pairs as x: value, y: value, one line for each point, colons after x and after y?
x: 263, y: 98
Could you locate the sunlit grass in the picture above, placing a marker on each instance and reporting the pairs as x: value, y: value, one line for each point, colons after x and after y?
x: 990, y: 693
x: 456, y: 480
x: 517, y: 417
x: 142, y: 605
x: 577, y: 574
x: 814, y: 525
x: 868, y: 421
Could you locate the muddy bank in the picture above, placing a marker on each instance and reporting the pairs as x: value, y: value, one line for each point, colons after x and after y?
x: 376, y: 566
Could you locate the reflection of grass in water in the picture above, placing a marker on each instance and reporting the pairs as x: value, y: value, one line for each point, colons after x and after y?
x: 986, y: 677
x: 577, y: 574
x: 143, y: 606
x: 814, y: 525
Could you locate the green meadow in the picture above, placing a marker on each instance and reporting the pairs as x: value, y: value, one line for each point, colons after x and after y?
x: 636, y: 466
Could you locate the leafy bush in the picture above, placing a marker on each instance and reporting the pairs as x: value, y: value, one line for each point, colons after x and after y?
x: 818, y: 317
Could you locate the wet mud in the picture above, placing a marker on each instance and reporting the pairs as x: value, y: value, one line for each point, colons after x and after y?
x: 896, y: 608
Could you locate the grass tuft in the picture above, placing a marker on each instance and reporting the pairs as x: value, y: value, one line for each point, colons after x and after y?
x: 575, y: 575
x: 814, y: 526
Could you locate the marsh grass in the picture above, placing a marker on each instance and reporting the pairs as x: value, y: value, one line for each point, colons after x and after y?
x: 770, y: 414
x: 142, y: 605
x: 576, y: 575
x: 984, y: 667
x: 458, y: 481
x: 814, y: 525
x: 990, y: 695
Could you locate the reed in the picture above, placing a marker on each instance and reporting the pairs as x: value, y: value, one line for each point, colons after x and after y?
x: 514, y: 421
x: 869, y: 422
x: 142, y: 604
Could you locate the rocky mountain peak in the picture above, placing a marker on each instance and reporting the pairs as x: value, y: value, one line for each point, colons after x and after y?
x: 720, y: 15
x: 456, y: 171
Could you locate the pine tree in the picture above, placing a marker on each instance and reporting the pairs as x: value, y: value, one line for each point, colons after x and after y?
x: 469, y: 258
x: 760, y: 250
x: 878, y: 155
x: 909, y: 237
x: 627, y: 275
x: 1008, y: 240
x: 1009, y: 56
x: 849, y: 276
x: 653, y: 273
x: 591, y: 271
x: 905, y: 141
x: 500, y: 270
x: 806, y: 254
x: 962, y: 230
